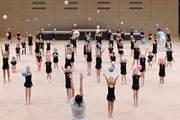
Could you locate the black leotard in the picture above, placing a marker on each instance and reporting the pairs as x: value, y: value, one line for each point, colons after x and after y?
x: 68, y: 82
x: 89, y: 56
x: 48, y: 67
x: 135, y: 84
x: 28, y: 82
x: 5, y: 63
x: 162, y: 70
x: 143, y: 64
x: 98, y: 63
x: 123, y: 68
x: 111, y: 95
x: 55, y: 59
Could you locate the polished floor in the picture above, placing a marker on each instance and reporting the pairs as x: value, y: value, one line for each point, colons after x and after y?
x: 49, y: 99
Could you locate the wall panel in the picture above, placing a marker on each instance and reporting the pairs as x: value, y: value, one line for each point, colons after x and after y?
x: 162, y: 12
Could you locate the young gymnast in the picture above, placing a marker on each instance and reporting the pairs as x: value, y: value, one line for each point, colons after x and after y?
x: 28, y: 84
x: 154, y: 51
x: 167, y: 31
x: 150, y: 36
x: 168, y: 45
x: 98, y: 37
x: 150, y: 59
x: 5, y: 65
x: 142, y: 59
x: 131, y: 32
x: 72, y: 57
x: 110, y: 49
x: 113, y: 59
x: 68, y: 52
x: 120, y: 44
x: 18, y: 36
x: 42, y: 47
x: 84, y: 50
x: 48, y: 48
x: 55, y: 60
x: 18, y: 52
x: 68, y: 72
x: 37, y: 47
x: 98, y: 65
x: 48, y: 69
x: 133, y: 41
x: 137, y: 51
x: 111, y: 82
x: 39, y: 60
x: 111, y: 40
x: 30, y: 41
x: 142, y: 34
x: 13, y: 63
x: 123, y: 63
x: 162, y: 73
x: 53, y: 35
x: 6, y: 44
x: 135, y: 86
x: 169, y: 58
x: 9, y: 36
x: 89, y: 59
x: 73, y: 41
x: 23, y: 43
x: 78, y: 103
x: 109, y: 32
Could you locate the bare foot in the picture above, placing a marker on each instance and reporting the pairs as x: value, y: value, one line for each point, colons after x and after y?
x: 26, y: 103
x: 67, y: 101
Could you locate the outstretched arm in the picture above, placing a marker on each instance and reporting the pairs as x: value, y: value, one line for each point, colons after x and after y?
x: 116, y: 79
x: 63, y: 69
x: 106, y: 79
x: 81, y: 84
x: 146, y: 52
x: 27, y: 33
x: 1, y: 50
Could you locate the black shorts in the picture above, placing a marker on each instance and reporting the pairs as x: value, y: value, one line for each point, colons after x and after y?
x: 123, y: 72
x: 5, y: 67
x: 136, y: 57
x: 112, y: 99
x: 135, y: 87
x: 98, y: 66
x: 48, y: 71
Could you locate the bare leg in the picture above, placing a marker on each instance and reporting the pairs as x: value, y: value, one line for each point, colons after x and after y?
x: 4, y: 75
x: 109, y: 105
x: 29, y: 95
x: 136, y: 98
x: 26, y: 95
x: 8, y: 73
x: 133, y: 64
x: 134, y: 95
x: 112, y: 108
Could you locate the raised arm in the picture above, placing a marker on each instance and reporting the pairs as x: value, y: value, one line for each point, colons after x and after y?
x: 1, y: 50
x: 27, y: 33
x: 81, y: 85
x: 102, y: 51
x: 106, y: 79
x: 116, y: 79
x: 33, y: 35
x: 146, y: 52
x: 63, y: 69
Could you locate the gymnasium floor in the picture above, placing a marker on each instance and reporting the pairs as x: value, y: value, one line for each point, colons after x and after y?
x: 49, y: 99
